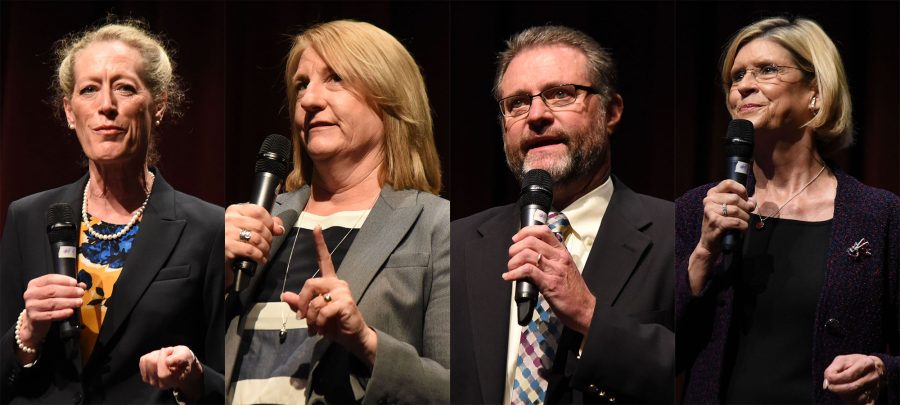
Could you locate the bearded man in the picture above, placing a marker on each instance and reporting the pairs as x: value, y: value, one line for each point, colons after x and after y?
x: 603, y: 329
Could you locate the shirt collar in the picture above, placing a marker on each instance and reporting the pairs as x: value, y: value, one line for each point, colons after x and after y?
x: 586, y: 213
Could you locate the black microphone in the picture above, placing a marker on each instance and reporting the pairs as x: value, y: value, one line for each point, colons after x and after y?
x: 271, y: 169
x: 738, y: 162
x: 61, y: 233
x: 534, y: 202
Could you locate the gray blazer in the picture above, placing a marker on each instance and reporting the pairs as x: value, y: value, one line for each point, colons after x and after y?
x: 398, y: 269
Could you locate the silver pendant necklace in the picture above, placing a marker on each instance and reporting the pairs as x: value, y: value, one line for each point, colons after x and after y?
x: 762, y: 220
x: 282, y: 333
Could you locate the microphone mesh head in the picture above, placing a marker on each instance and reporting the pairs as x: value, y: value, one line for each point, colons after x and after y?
x: 537, y: 188
x: 61, y: 223
x: 739, y: 139
x: 274, y: 155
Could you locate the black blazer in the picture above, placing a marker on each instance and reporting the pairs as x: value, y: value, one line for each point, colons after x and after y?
x: 629, y: 354
x: 169, y: 293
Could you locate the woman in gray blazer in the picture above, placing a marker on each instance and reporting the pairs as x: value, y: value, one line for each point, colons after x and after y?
x: 368, y: 241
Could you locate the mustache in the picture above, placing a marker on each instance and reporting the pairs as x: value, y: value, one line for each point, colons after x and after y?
x: 552, y: 137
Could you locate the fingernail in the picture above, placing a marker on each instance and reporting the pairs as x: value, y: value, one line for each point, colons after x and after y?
x: 825, y: 384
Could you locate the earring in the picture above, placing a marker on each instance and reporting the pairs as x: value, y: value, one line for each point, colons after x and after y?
x: 157, y: 122
x: 71, y: 125
x: 812, y: 104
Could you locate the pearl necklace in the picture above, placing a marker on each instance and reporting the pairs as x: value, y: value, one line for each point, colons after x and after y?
x: 134, y: 218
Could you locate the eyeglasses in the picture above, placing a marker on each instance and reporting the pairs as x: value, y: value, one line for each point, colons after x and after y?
x: 762, y: 74
x: 555, y: 98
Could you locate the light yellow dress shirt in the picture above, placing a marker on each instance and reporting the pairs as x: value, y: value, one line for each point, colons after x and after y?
x: 585, y: 215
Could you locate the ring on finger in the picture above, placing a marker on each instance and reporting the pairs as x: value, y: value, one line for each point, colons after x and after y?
x: 327, y: 297
x: 538, y: 261
x: 245, y: 235
x: 724, y: 210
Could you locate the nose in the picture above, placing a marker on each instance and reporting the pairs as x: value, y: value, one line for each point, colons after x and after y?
x: 311, y: 99
x: 539, y: 116
x: 747, y: 86
x: 108, y: 104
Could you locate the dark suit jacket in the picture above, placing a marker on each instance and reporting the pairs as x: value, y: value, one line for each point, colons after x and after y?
x: 629, y: 354
x: 169, y: 293
x: 398, y: 271
x: 858, y: 309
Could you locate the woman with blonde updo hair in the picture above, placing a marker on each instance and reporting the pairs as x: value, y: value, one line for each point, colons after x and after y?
x: 141, y: 318
x: 352, y: 302
x: 805, y: 310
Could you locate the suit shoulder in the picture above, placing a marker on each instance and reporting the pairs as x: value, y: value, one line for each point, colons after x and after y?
x: 195, y: 209
x: 656, y: 204
x: 40, y: 199
x: 433, y: 202
x: 476, y: 219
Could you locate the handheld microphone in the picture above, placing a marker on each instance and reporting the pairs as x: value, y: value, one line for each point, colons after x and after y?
x: 738, y: 162
x: 61, y: 233
x: 534, y: 202
x: 271, y: 169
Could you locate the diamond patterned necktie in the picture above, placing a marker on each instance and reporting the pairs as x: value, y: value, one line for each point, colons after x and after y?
x: 538, y: 341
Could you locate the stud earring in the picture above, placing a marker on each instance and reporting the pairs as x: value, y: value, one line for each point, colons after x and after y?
x: 812, y: 104
x: 157, y: 122
x: 71, y: 126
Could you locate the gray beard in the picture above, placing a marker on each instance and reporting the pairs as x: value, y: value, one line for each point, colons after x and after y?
x: 584, y: 159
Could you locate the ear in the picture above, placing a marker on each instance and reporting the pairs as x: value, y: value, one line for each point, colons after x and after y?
x: 161, y: 107
x: 614, y: 113
x: 67, y: 107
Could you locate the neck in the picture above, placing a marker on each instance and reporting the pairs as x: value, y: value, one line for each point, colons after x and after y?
x: 784, y: 164
x: 347, y: 190
x: 565, y: 193
x: 117, y: 189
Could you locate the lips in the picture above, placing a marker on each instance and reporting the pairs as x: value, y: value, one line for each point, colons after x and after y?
x: 543, y: 144
x: 109, y: 130
x: 749, y: 107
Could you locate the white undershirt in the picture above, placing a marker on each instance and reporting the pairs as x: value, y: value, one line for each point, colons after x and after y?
x: 585, y: 215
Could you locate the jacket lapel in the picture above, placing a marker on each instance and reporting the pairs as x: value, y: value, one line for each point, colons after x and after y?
x: 389, y: 221
x: 620, y: 245
x: 159, y: 234
x: 490, y: 295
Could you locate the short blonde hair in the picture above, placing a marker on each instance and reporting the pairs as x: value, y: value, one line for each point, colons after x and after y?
x: 378, y: 68
x: 815, y: 53
x: 158, y: 65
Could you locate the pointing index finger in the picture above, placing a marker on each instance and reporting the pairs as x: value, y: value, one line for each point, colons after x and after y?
x: 324, y: 257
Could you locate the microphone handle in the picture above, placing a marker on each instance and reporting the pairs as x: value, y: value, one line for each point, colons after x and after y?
x: 64, y: 263
x: 526, y: 292
x: 263, y: 194
x: 738, y: 168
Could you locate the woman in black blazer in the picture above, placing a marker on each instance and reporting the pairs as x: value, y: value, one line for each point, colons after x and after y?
x: 147, y: 288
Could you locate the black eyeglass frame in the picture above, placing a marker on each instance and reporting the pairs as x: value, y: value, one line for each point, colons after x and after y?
x: 587, y: 89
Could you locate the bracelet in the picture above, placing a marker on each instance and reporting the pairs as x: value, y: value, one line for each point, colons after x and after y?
x: 19, y: 343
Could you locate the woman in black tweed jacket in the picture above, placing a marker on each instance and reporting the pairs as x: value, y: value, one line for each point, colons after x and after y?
x: 807, y: 308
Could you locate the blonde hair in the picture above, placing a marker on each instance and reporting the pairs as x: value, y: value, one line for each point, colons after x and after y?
x: 814, y: 53
x: 378, y: 68
x: 158, y: 65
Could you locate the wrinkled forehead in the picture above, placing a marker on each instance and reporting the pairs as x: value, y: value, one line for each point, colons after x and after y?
x: 535, y: 69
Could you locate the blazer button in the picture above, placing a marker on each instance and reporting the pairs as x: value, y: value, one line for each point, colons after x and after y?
x: 612, y: 400
x: 592, y: 389
x: 833, y: 326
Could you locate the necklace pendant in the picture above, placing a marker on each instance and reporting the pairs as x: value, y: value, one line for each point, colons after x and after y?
x: 282, y: 335
x: 760, y: 225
